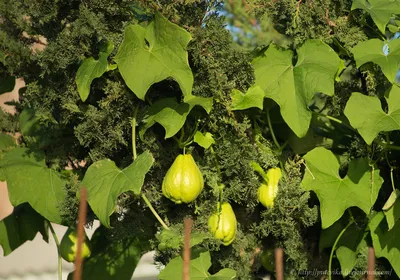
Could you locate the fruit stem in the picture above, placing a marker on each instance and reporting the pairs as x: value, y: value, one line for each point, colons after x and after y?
x: 58, y: 250
x: 216, y: 162
x: 134, y: 158
x: 387, y: 146
x: 154, y: 212
x: 134, y: 131
x: 335, y: 120
x: 334, y: 247
x: 272, y: 131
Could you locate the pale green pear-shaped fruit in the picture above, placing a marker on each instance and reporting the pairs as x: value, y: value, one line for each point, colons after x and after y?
x: 223, y: 225
x: 69, y: 246
x: 268, y: 192
x: 183, y: 181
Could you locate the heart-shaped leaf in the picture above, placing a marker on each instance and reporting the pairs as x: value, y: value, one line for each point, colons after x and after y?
x: 359, y: 188
x: 151, y: 54
x: 104, y: 182
x: 293, y: 86
x: 30, y: 180
x: 372, y: 119
x: 91, y: 69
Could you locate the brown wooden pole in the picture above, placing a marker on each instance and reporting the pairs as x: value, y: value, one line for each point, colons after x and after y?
x: 371, y: 264
x: 279, y: 263
x: 80, y: 233
x: 188, y: 222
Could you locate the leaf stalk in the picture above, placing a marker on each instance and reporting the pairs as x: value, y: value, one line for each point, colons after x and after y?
x: 53, y: 233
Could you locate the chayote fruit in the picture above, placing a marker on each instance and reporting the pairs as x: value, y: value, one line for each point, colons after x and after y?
x: 68, y: 246
x: 183, y: 181
x: 267, y: 192
x: 223, y: 225
x: 267, y: 260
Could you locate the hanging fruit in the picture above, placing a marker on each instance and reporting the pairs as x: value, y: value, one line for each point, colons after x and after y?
x: 183, y: 181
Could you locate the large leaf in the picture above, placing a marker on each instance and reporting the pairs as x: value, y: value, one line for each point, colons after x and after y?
x: 173, y: 239
x: 372, y: 119
x: 293, y: 87
x: 350, y: 244
x: 254, y: 97
x: 200, y: 263
x: 7, y: 142
x: 359, y: 188
x: 386, y: 55
x: 380, y: 10
x: 105, y: 182
x: 91, y: 69
x: 112, y: 259
x: 30, y: 180
x: 171, y: 114
x: 151, y: 54
x: 392, y: 214
x: 204, y: 140
x: 22, y: 225
x: 386, y: 243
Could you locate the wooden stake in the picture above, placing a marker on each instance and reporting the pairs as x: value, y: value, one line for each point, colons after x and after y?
x: 188, y: 223
x: 371, y: 264
x: 279, y: 263
x: 80, y: 233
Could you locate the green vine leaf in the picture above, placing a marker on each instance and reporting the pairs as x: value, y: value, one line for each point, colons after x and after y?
x: 391, y: 200
x: 173, y: 239
x: 22, y: 225
x: 374, y: 51
x: 151, y: 54
x: 392, y: 212
x: 91, y: 69
x: 386, y: 243
x: 372, y: 119
x: 350, y: 245
x: 380, y: 10
x: 293, y: 87
x: 30, y: 180
x: 6, y: 142
x: 204, y: 140
x: 359, y: 188
x: 112, y: 259
x: 105, y: 182
x: 171, y: 114
x: 200, y: 263
x: 254, y: 97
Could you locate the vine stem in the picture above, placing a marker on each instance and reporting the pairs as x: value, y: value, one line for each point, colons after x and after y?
x: 146, y: 200
x: 335, y: 120
x: 272, y: 131
x: 53, y: 233
x: 376, y: 141
x: 387, y: 146
x: 154, y: 212
x: 216, y: 161
x: 134, y: 131
x: 334, y: 247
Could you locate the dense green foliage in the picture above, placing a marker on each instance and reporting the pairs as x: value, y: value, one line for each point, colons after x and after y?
x: 305, y: 59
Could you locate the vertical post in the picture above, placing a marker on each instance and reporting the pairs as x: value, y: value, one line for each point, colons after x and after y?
x: 188, y: 222
x: 371, y: 264
x: 279, y: 263
x: 80, y: 233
